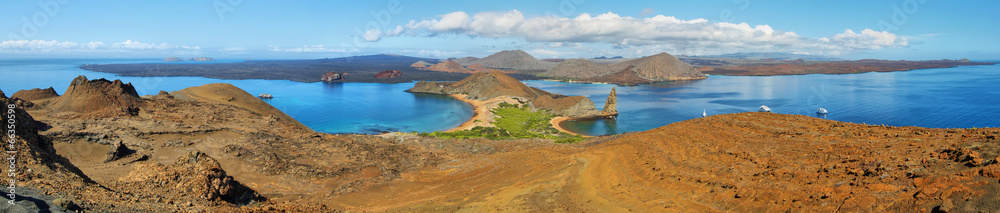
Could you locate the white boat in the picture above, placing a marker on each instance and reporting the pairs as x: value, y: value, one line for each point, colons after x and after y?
x: 821, y: 111
x: 265, y: 96
x: 763, y: 108
x: 704, y: 114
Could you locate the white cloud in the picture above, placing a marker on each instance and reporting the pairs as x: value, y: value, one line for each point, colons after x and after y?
x: 647, y: 12
x: 41, y: 46
x: 697, y: 35
x: 434, y: 53
x: 310, y: 49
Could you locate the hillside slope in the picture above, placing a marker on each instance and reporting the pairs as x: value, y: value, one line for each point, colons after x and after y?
x: 659, y: 67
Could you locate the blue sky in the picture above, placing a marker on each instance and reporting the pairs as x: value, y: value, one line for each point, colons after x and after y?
x: 896, y: 29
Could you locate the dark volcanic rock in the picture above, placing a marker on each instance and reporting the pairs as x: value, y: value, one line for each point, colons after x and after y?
x: 35, y: 94
x: 97, y: 99
x: 388, y: 74
x: 333, y: 76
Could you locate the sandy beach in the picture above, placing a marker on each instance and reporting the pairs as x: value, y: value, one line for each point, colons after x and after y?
x: 480, y: 112
x: 557, y: 120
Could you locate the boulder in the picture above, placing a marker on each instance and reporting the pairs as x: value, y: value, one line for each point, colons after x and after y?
x: 333, y: 76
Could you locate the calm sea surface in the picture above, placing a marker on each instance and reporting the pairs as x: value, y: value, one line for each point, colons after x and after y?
x: 959, y: 97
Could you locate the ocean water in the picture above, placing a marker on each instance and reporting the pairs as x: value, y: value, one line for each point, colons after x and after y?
x: 960, y: 97
x: 364, y: 108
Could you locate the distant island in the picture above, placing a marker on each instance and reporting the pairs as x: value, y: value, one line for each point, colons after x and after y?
x: 176, y: 59
x: 522, y: 66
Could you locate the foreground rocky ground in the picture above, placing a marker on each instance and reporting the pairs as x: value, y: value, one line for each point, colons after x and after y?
x: 216, y: 148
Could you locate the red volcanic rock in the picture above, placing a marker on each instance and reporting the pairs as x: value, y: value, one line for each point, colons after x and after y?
x: 388, y: 74
x: 705, y: 68
x: 333, y: 76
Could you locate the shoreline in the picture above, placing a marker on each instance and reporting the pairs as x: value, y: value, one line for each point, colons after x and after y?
x: 476, y: 115
x: 558, y: 120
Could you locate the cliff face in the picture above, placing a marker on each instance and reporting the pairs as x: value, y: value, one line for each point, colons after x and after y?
x: 97, y: 99
x: 35, y: 94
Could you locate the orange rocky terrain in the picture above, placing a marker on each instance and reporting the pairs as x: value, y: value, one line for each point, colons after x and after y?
x: 215, y: 148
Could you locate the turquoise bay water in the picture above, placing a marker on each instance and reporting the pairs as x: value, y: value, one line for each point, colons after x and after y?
x: 365, y: 108
x: 959, y: 97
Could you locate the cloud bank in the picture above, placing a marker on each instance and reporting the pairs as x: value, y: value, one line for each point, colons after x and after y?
x: 662, y: 32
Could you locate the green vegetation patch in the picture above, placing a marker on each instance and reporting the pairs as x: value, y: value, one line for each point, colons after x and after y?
x: 514, y: 122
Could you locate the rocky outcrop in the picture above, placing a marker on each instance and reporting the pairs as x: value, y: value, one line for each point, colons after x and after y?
x: 173, y: 59
x: 449, y: 66
x: 611, y: 105
x: 35, y: 94
x: 333, y: 76
x: 98, y: 98
x: 388, y: 74
x: 194, y: 175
